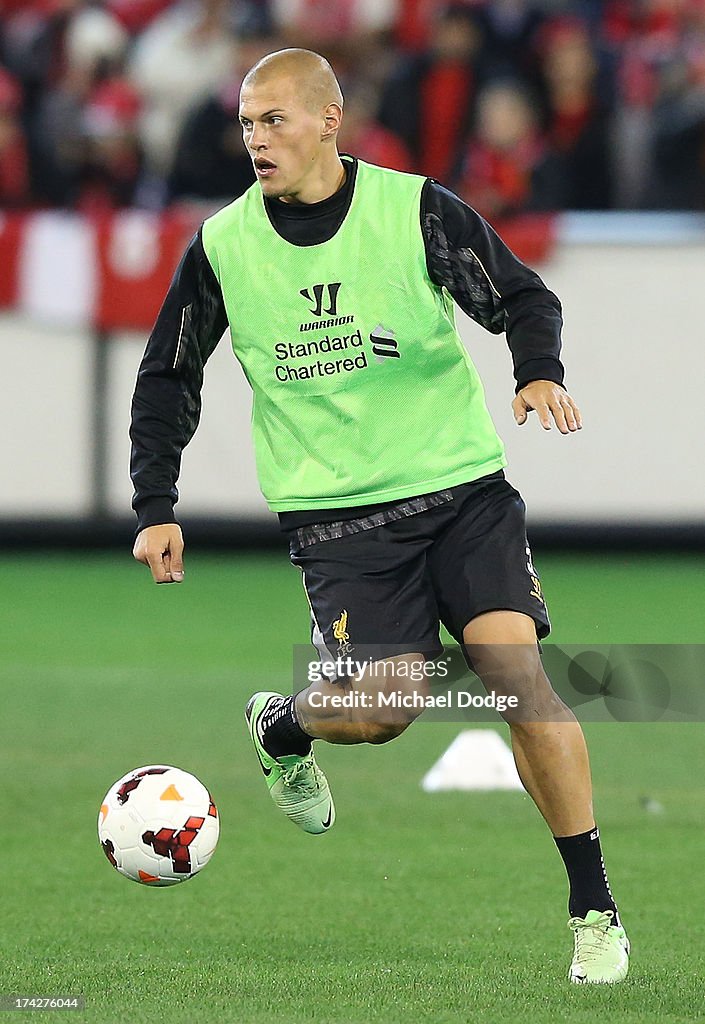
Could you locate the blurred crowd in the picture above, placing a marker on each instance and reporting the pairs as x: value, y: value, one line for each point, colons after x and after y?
x: 518, y: 105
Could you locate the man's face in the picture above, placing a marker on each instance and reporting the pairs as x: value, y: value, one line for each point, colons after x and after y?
x: 282, y: 135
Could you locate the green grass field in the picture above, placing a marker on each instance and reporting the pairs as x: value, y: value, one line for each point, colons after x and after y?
x: 416, y: 908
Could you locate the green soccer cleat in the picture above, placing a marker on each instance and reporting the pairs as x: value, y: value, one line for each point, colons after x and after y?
x: 296, y: 784
x: 601, y: 954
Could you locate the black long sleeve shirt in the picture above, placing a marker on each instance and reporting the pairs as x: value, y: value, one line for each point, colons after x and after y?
x: 463, y: 255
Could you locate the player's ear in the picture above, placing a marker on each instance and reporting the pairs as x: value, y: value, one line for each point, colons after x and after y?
x: 333, y: 115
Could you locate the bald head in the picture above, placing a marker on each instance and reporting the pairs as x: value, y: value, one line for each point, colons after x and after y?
x: 291, y: 108
x: 311, y: 74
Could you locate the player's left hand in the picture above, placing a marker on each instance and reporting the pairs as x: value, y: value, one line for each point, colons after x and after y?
x: 550, y: 401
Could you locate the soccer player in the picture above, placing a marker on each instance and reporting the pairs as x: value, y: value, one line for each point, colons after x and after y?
x: 375, y: 446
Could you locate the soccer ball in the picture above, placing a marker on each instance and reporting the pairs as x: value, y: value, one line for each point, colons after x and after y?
x: 158, y: 825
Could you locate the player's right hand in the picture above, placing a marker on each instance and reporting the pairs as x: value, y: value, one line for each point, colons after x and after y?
x: 162, y: 549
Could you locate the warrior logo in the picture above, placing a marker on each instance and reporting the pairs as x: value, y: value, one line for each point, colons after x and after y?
x: 317, y: 298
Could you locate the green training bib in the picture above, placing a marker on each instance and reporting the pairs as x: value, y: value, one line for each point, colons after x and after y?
x: 363, y: 390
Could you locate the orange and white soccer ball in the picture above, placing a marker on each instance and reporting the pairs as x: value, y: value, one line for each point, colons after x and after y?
x: 158, y: 825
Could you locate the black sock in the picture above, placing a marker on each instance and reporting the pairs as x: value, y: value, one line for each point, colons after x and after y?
x: 589, y: 888
x: 281, y: 732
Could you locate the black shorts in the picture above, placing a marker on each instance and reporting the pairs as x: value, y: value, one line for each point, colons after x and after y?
x: 381, y: 584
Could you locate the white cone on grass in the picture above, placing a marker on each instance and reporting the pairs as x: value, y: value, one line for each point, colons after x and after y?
x: 477, y: 759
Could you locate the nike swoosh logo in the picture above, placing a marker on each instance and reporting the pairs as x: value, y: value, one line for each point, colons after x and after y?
x: 265, y: 769
x: 326, y: 823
